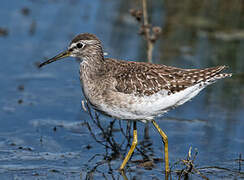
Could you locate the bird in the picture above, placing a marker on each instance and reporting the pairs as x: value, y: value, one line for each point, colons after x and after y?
x: 134, y: 91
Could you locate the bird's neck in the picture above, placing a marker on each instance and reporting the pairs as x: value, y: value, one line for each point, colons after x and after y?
x: 93, y: 66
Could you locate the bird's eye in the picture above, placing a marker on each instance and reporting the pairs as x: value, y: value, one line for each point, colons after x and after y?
x: 79, y: 45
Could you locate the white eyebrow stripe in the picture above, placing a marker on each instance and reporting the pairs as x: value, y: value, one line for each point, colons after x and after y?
x: 89, y: 41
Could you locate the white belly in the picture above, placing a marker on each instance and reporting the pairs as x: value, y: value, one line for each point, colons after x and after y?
x: 125, y: 106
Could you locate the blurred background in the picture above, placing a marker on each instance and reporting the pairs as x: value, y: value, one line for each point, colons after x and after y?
x: 46, y: 134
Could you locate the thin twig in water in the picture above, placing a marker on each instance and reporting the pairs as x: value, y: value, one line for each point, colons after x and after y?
x: 124, y: 134
x: 94, y: 136
x: 106, y: 134
x: 190, y: 167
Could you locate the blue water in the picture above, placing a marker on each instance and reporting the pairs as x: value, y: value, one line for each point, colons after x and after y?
x: 43, y: 131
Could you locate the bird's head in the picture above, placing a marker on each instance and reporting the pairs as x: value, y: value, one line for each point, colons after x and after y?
x: 83, y: 45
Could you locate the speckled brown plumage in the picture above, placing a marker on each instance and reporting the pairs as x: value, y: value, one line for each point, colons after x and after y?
x: 146, y: 79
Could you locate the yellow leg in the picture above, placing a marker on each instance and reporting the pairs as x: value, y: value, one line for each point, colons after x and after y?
x: 134, y: 143
x: 166, y: 151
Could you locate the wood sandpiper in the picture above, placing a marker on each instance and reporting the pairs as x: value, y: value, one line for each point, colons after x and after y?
x: 134, y: 90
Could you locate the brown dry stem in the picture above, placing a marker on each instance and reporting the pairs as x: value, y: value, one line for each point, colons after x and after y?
x: 190, y: 167
x: 147, y: 31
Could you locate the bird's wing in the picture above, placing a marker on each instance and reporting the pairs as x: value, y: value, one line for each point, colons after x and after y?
x: 146, y: 79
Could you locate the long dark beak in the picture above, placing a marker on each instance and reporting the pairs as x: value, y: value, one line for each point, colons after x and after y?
x: 59, y: 56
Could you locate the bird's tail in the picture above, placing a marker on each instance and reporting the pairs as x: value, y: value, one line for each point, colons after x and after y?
x: 214, y: 74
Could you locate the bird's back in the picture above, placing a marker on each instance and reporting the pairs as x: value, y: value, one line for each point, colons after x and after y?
x: 145, y: 79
